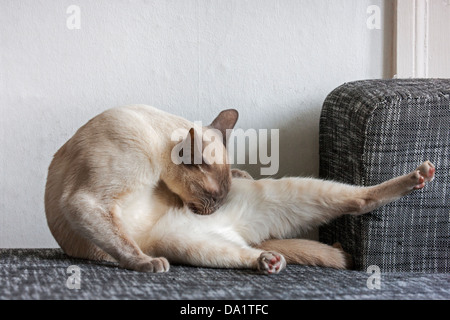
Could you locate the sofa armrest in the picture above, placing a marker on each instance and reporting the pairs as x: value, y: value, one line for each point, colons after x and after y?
x: 372, y: 131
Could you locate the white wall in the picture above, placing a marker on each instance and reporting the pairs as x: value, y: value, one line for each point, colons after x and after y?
x: 275, y: 61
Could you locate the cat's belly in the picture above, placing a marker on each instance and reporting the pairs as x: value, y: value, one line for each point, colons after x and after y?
x: 153, y: 225
x: 181, y: 228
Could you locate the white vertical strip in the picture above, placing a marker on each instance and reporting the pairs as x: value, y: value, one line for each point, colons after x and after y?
x: 405, y: 39
x: 427, y: 36
x: 420, y: 39
x: 438, y: 44
x: 412, y: 38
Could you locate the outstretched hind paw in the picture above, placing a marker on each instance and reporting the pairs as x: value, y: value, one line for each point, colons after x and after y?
x: 424, y: 173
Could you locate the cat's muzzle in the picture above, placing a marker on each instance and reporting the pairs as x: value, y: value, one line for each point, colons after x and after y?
x: 201, y: 210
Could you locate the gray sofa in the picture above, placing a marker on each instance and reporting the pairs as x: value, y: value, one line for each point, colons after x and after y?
x: 370, y: 131
x: 43, y: 274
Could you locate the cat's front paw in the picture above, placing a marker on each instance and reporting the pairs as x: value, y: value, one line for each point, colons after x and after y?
x: 156, y: 265
x: 270, y: 262
x: 423, y: 173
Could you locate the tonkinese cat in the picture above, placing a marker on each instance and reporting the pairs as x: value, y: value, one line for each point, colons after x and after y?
x: 114, y: 193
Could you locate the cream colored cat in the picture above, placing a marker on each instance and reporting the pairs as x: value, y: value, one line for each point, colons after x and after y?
x: 118, y: 157
x: 114, y: 194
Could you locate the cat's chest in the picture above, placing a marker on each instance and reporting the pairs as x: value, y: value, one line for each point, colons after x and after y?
x: 140, y: 210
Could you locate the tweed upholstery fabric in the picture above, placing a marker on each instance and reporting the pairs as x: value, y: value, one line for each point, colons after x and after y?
x: 372, y: 131
x: 42, y: 274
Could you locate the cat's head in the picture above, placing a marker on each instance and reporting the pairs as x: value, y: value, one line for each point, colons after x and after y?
x: 203, y: 179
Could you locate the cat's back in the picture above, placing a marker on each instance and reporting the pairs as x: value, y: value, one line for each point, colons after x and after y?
x: 135, y: 123
x: 118, y: 142
x: 141, y: 114
x: 120, y: 131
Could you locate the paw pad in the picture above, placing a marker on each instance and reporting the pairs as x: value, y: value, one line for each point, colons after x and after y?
x: 270, y: 262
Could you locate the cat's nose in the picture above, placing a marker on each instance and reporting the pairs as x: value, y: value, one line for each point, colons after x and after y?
x: 193, y: 208
x: 196, y: 210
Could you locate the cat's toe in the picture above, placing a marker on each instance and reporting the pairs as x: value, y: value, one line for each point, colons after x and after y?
x: 155, y: 265
x: 160, y: 265
x: 270, y: 262
x: 427, y: 170
x: 424, y: 173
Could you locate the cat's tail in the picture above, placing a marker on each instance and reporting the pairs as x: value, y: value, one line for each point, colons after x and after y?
x: 309, y: 252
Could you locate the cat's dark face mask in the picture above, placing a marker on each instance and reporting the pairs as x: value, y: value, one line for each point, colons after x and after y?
x: 210, y: 190
x: 203, y: 184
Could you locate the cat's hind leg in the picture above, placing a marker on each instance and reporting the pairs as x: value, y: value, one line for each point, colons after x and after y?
x: 354, y: 200
x: 92, y: 219
x: 287, y: 207
x: 370, y: 198
x: 337, y: 199
x: 328, y: 199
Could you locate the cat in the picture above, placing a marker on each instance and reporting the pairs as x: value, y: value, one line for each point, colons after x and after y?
x: 122, y: 153
x: 254, y: 225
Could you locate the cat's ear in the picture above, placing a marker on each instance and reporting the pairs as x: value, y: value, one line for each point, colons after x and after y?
x: 224, y: 122
x: 191, y: 150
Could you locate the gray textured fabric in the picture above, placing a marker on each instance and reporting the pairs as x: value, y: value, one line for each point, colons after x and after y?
x: 42, y: 274
x: 372, y: 131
